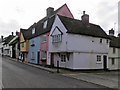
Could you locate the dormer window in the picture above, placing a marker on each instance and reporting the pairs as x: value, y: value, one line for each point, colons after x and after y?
x: 33, y: 31
x: 45, y: 24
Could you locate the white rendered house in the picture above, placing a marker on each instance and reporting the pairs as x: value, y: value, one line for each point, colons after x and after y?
x: 114, y: 52
x: 78, y: 44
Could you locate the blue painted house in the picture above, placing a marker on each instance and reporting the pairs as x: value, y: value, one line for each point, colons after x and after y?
x: 34, y: 50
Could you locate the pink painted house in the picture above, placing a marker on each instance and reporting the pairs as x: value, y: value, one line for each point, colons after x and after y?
x: 46, y: 27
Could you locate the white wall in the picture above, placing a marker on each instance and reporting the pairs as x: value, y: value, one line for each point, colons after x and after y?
x: 58, y: 47
x: 87, y: 61
x: 116, y: 56
x: 81, y: 46
x: 86, y: 44
x: 68, y: 64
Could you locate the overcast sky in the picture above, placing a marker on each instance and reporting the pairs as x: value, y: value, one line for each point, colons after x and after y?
x: 16, y: 14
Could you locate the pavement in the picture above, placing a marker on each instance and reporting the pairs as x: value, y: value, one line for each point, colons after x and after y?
x: 107, y: 79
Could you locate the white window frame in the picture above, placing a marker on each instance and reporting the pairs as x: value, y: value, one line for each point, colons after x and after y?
x: 33, y: 55
x: 63, y: 57
x: 44, y: 55
x: 113, y: 60
x: 99, y: 59
x: 45, y: 24
x: 57, y: 38
x: 33, y: 31
x: 44, y: 38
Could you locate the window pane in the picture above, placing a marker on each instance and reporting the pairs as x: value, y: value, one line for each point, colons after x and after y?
x: 44, y: 54
x: 44, y: 38
x: 113, y: 61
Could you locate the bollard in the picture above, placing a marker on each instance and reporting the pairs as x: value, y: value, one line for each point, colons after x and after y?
x: 58, y: 67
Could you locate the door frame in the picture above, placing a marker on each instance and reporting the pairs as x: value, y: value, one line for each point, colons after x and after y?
x: 38, y: 57
x: 105, y: 62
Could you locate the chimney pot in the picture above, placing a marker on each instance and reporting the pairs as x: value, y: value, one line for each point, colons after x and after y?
x: 83, y: 12
x: 12, y: 33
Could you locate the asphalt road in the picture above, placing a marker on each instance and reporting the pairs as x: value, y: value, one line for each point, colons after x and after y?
x: 19, y: 75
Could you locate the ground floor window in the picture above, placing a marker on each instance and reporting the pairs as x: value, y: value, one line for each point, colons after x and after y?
x: 98, y: 58
x: 63, y: 58
x: 44, y: 55
x: 33, y: 55
x: 113, y: 61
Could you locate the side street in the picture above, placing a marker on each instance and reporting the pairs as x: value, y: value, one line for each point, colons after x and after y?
x: 73, y: 49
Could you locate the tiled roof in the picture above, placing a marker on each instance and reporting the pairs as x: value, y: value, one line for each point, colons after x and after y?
x: 75, y: 26
x: 27, y: 33
x: 14, y: 41
x: 8, y: 39
x: 115, y: 41
x: 39, y: 28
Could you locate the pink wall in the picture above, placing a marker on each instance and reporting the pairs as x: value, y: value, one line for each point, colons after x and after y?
x: 43, y: 46
x: 64, y: 11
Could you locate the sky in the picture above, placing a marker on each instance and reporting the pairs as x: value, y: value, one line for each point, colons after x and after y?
x: 16, y: 14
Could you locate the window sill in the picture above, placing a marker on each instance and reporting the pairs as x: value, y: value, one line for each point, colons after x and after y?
x: 44, y: 42
x: 57, y: 42
x: 98, y: 62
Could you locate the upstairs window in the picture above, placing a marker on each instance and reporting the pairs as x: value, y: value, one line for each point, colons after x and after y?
x: 44, y: 38
x: 33, y: 31
x: 100, y: 40
x: 113, y: 61
x: 45, y: 24
x: 114, y: 50
x: 107, y: 41
x: 57, y: 38
x: 22, y: 44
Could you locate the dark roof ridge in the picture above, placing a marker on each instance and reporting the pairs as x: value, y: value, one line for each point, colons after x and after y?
x: 77, y: 20
x: 76, y: 26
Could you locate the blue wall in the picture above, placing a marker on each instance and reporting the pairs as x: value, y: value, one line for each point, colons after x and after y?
x: 35, y: 49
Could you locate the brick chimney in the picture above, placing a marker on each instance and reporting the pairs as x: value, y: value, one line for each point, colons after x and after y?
x: 111, y: 32
x: 85, y: 18
x: 49, y: 11
x: 17, y: 33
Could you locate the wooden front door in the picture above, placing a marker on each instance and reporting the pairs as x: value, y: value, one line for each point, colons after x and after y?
x: 38, y: 57
x: 52, y: 59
